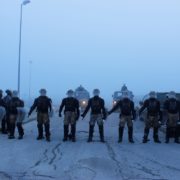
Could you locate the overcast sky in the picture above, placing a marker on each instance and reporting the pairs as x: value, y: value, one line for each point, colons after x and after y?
x: 97, y: 43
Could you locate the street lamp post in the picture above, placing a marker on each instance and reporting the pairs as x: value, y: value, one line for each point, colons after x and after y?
x: 30, y: 71
x: 20, y: 30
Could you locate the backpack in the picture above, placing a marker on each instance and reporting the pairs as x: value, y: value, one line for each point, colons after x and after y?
x: 152, y: 105
x: 96, y: 104
x: 43, y: 104
x: 126, y: 106
x: 172, y: 105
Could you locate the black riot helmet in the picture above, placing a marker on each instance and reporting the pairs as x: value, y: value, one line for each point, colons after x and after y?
x: 1, y: 93
x: 8, y: 92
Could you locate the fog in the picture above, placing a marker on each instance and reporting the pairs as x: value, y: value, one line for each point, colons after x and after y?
x: 96, y: 43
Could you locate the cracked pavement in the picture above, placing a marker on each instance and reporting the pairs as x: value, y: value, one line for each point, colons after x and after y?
x: 30, y: 159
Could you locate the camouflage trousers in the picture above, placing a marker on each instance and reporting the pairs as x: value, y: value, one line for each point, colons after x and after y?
x: 12, y: 118
x: 172, y: 120
x: 42, y: 118
x: 69, y: 118
x: 96, y: 118
x: 152, y: 121
x: 12, y: 125
x: 2, y: 113
x: 124, y: 120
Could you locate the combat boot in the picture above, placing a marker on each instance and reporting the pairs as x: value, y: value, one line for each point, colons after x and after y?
x: 91, y: 130
x: 176, y: 140
x: 20, y: 137
x: 47, y: 130
x: 130, y: 134
x: 12, y: 130
x: 70, y: 136
x: 73, y: 133
x: 40, y: 137
x: 40, y: 132
x: 3, y: 125
x: 48, y: 139
x: 145, y: 140
x: 121, y: 130
x: 146, y: 133
x: 155, y: 136
x: 101, y: 133
x: 11, y: 137
x: 167, y: 135
x: 4, y: 132
x: 65, y: 133
x: 20, y: 130
x: 157, y: 140
x: 167, y: 140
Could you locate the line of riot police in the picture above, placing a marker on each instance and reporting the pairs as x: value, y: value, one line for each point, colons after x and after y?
x: 12, y: 114
x: 127, y: 116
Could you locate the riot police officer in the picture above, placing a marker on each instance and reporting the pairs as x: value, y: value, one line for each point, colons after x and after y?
x: 2, y: 103
x: 13, y: 106
x: 154, y: 117
x: 172, y: 107
x: 98, y: 114
x: 5, y: 121
x: 71, y: 115
x: 127, y: 115
x: 42, y: 104
x: 2, y: 113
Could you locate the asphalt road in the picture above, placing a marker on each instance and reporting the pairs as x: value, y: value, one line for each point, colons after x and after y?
x: 29, y: 159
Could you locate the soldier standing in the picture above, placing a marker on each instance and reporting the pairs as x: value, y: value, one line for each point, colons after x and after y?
x: 154, y: 117
x: 172, y: 107
x: 13, y: 106
x: 71, y: 114
x: 127, y: 115
x: 2, y: 113
x: 5, y: 121
x: 98, y: 114
x: 42, y: 104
